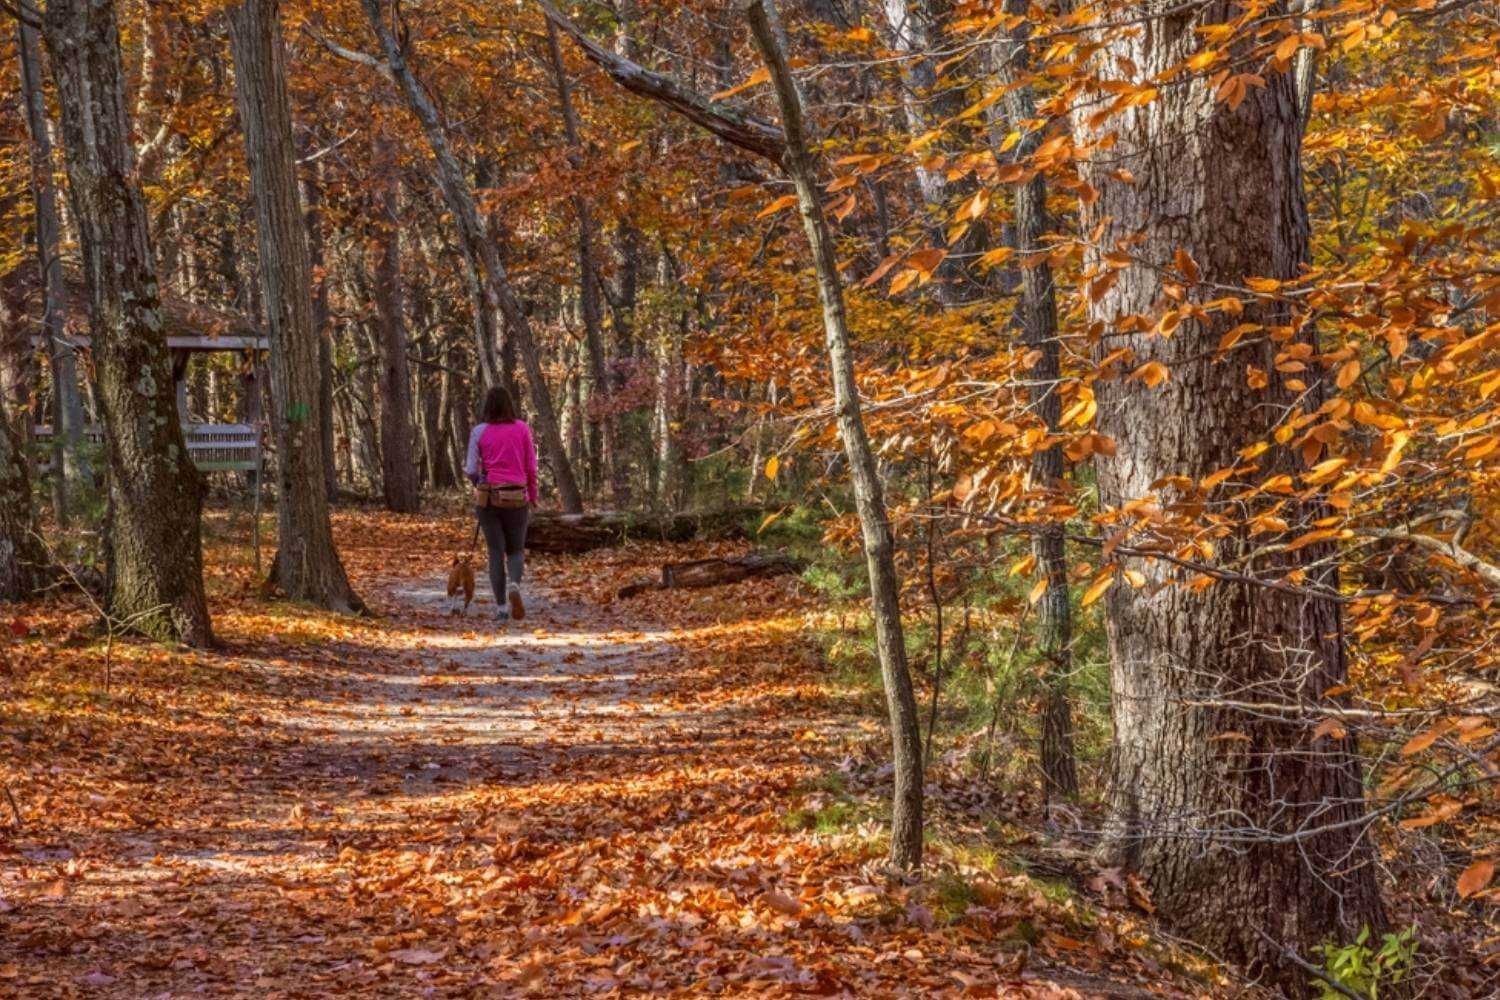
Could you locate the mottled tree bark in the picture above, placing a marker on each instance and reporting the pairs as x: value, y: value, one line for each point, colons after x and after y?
x: 154, y: 552
x: 1243, y: 825
x: 398, y: 465
x: 885, y: 586
x: 307, y: 565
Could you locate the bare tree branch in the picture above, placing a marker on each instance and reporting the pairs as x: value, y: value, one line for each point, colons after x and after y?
x: 1463, y: 558
x: 733, y: 125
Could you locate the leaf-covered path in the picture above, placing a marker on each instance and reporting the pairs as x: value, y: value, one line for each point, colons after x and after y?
x: 593, y: 800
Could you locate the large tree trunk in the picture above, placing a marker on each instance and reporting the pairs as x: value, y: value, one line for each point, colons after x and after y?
x: 398, y: 465
x: 70, y: 467
x: 23, y: 561
x: 307, y: 566
x: 499, y: 295
x: 1243, y: 825
x: 885, y: 585
x: 154, y: 550
x: 1037, y: 309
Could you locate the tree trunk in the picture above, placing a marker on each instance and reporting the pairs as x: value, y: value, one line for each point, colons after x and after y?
x: 917, y: 29
x: 70, y: 467
x: 444, y: 475
x: 23, y: 561
x: 1037, y: 309
x: 911, y: 26
x: 499, y: 296
x: 154, y: 551
x: 398, y: 464
x: 1240, y: 826
x: 601, y: 387
x: 312, y: 190
x: 502, y: 343
x: 307, y: 565
x: 885, y: 586
x: 571, y: 533
x: 670, y: 466
x: 701, y: 573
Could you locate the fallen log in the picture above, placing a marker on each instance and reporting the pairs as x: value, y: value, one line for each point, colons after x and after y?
x: 716, y: 572
x: 564, y: 533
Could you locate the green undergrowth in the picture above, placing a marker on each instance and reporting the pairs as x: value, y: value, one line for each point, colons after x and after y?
x: 991, y: 680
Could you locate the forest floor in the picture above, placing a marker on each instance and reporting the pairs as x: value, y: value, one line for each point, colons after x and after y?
x: 593, y: 801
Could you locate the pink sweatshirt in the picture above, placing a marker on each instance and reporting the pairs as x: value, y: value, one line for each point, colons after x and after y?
x: 503, y: 454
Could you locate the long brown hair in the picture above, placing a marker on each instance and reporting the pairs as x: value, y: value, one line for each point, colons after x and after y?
x: 498, y: 407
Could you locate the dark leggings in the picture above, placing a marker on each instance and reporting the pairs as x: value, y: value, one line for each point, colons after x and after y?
x: 505, y: 536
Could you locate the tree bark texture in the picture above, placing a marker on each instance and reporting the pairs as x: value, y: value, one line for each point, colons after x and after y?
x: 398, y: 458
x: 312, y: 214
x: 71, y: 467
x: 307, y: 565
x: 154, y: 552
x: 23, y: 561
x: 1037, y: 310
x: 499, y: 296
x: 1242, y: 825
x: 885, y: 585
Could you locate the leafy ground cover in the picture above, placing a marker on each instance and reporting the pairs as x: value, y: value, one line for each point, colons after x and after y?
x: 657, y: 795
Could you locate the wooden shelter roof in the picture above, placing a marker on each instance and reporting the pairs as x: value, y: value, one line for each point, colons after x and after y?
x: 190, y: 326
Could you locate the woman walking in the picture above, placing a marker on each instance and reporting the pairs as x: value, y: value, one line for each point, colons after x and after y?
x: 502, y: 465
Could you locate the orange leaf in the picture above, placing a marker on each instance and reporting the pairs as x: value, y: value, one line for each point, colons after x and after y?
x: 1096, y: 590
x: 926, y: 261
x: 1153, y: 373
x: 785, y: 201
x: 1475, y: 877
x: 755, y: 79
x: 781, y: 902
x: 1328, y: 727
x: 904, y: 280
x: 1423, y: 740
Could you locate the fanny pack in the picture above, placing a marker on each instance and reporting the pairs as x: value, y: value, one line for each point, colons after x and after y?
x: 501, y: 495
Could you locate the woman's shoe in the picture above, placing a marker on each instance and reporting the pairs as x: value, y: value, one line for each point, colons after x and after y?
x: 517, y: 606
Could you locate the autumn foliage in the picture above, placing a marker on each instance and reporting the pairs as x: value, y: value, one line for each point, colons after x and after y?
x: 1172, y: 330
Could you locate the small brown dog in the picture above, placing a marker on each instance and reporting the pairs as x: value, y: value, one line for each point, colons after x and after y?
x: 461, y: 582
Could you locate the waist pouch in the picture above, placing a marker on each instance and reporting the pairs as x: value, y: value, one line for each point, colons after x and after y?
x: 502, y: 495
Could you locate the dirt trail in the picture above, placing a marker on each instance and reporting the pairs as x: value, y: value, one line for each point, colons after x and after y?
x: 587, y: 802
x: 430, y: 706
